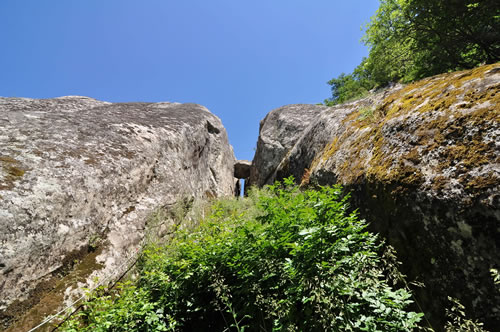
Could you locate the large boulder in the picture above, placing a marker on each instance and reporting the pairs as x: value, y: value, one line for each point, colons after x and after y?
x: 75, y: 172
x: 422, y: 164
x: 278, y: 133
x: 242, y: 169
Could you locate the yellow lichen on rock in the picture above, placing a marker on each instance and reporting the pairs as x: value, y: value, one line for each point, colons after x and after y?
x: 442, y: 92
x: 13, y: 172
x: 436, y: 112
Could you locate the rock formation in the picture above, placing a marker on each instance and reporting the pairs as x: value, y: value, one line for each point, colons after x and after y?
x: 278, y: 133
x: 75, y: 172
x: 242, y: 169
x: 423, y: 165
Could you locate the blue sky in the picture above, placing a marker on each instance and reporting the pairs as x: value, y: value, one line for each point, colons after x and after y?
x: 240, y: 59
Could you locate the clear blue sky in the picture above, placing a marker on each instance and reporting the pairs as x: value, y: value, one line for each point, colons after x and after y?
x: 240, y: 59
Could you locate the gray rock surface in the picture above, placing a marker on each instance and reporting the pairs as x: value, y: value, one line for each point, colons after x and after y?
x: 278, y: 133
x: 423, y: 165
x: 74, y: 169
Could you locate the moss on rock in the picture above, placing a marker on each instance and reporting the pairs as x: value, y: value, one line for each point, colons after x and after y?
x: 439, y: 112
x: 12, y: 172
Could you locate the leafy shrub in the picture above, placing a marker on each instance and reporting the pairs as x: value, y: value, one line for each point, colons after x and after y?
x: 281, y: 260
x: 129, y: 308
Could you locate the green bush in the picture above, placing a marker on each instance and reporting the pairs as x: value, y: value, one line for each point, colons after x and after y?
x: 129, y: 308
x: 280, y: 260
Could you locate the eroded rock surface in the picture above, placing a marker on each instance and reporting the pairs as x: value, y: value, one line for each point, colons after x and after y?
x: 75, y: 171
x: 278, y: 133
x: 423, y: 165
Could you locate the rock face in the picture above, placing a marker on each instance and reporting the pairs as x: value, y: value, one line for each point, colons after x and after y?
x: 278, y: 133
x: 423, y: 165
x: 75, y: 171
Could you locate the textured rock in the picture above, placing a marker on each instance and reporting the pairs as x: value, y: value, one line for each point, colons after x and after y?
x: 74, y: 170
x: 278, y: 133
x: 423, y: 165
x: 242, y: 169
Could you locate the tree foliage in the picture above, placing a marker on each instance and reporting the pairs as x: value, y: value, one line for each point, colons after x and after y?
x: 351, y: 86
x: 413, y: 39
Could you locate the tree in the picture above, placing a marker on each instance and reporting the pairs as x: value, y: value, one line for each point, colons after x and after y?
x: 428, y: 37
x: 413, y: 39
x: 391, y: 40
x: 350, y: 86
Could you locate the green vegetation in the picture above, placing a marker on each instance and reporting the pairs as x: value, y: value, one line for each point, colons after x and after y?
x: 280, y: 260
x: 366, y: 113
x: 413, y: 39
x: 458, y: 321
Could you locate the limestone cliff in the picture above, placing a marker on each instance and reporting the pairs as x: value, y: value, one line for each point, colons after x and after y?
x: 75, y: 171
x: 422, y: 162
